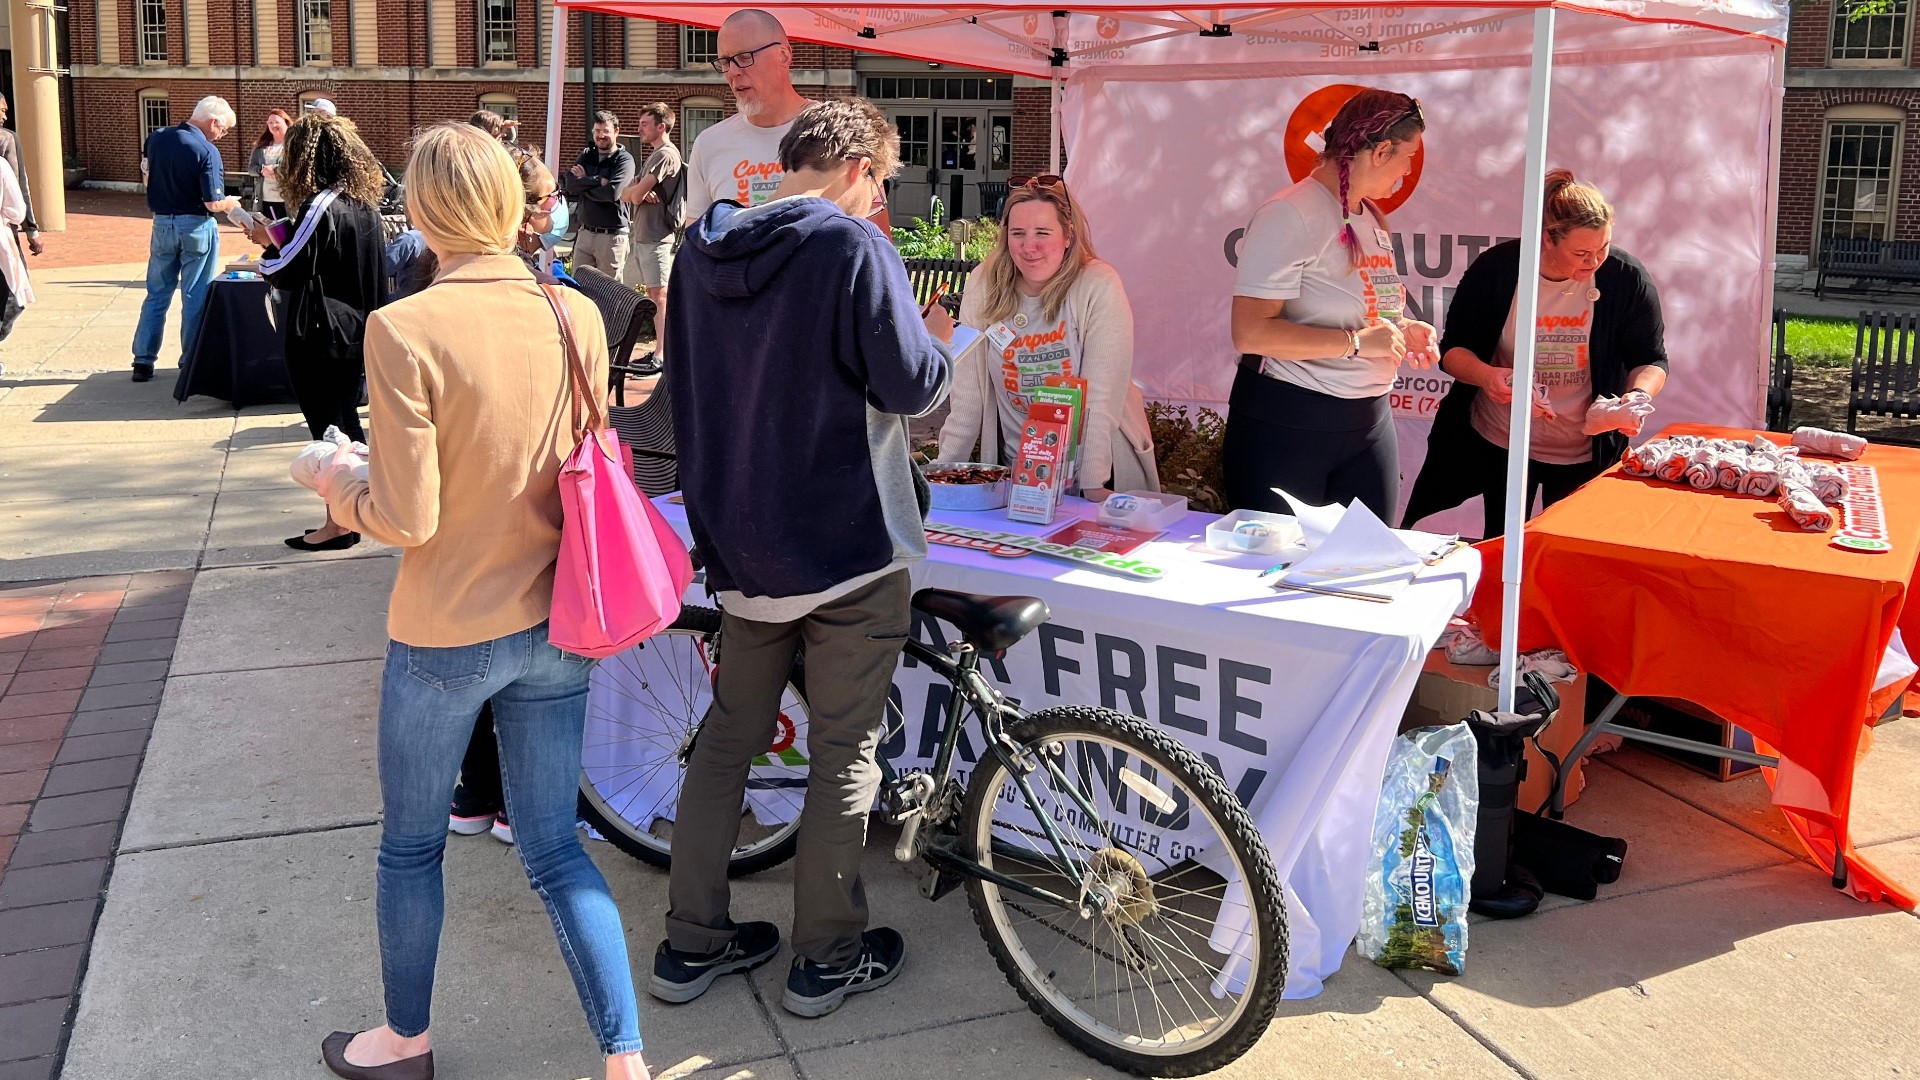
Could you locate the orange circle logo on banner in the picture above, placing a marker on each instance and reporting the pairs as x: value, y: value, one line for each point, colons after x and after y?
x: 1312, y: 116
x: 1108, y: 27
x: 1031, y: 24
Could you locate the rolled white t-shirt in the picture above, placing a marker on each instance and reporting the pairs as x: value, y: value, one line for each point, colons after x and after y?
x: 1292, y: 252
x: 735, y: 159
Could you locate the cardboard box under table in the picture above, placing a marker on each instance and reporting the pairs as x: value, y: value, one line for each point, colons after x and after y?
x: 1447, y: 692
x: 1293, y: 697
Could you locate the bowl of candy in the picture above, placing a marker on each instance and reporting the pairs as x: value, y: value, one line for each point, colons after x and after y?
x: 968, y: 485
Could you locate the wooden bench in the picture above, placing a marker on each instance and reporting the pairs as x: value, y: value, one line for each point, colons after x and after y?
x: 1892, y: 261
x: 1886, y: 367
x: 927, y: 275
x: 1780, y: 378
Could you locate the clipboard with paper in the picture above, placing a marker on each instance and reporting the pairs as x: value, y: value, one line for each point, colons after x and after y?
x: 1351, y: 552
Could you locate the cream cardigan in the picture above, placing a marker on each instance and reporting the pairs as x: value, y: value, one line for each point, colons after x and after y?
x: 1117, y: 450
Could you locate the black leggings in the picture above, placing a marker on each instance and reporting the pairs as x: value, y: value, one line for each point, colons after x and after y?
x: 1489, y: 463
x: 1322, y: 448
x: 328, y: 389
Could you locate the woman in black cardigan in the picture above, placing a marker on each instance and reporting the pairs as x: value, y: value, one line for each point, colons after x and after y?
x: 333, y: 270
x: 1600, y: 359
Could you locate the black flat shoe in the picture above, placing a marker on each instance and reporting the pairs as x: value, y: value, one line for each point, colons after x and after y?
x: 338, y: 543
x: 142, y: 374
x: 333, y: 1051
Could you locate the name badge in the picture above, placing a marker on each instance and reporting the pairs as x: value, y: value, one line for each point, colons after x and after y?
x: 1000, y: 337
x: 1385, y: 238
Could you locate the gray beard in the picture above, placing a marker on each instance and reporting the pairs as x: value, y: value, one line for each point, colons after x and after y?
x: 751, y: 109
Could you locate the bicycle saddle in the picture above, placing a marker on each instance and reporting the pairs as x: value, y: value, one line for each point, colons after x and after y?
x: 988, y: 623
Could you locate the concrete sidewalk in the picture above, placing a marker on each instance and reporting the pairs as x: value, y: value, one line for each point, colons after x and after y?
x: 238, y: 924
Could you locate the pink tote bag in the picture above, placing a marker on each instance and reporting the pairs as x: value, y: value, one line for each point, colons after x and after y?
x: 622, y: 568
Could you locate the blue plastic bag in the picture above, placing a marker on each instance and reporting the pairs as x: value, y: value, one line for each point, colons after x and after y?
x: 1415, y: 912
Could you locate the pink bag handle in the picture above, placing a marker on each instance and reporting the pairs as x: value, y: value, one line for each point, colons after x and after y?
x: 579, y: 383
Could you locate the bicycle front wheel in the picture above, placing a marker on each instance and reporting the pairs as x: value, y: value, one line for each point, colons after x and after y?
x: 643, y: 716
x: 1166, y: 952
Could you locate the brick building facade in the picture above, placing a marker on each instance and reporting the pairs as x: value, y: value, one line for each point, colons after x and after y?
x: 1850, y: 137
x: 396, y: 65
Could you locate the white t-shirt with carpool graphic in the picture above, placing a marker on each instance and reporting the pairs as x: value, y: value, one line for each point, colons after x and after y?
x: 1292, y: 252
x: 1560, y: 371
x: 736, y: 160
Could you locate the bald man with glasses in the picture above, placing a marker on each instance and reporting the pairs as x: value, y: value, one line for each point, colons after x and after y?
x: 738, y: 159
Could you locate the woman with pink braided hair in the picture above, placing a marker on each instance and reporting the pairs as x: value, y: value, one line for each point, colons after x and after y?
x: 1319, y: 314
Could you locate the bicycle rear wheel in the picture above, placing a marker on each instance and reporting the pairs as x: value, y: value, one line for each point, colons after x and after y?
x: 645, y: 710
x: 1172, y: 957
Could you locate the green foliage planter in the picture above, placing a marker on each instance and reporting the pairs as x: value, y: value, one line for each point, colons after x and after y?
x: 1187, y: 450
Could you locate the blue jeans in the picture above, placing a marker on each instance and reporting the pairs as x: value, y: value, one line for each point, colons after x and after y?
x: 184, y: 249
x: 428, y: 701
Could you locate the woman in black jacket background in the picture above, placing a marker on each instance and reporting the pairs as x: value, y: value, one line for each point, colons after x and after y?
x: 333, y: 271
x: 1600, y: 360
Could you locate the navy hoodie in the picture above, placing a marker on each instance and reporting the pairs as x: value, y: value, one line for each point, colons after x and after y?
x: 798, y: 353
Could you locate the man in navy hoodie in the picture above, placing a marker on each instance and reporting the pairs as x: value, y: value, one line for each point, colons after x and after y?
x: 802, y: 355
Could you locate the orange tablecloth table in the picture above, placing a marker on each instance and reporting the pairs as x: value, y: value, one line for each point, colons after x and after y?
x: 1719, y: 599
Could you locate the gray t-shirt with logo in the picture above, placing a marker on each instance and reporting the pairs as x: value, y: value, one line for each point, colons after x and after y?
x: 1292, y: 252
x: 650, y: 224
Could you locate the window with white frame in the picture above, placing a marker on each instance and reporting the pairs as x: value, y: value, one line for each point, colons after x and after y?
x: 696, y: 116
x: 1860, y: 38
x: 153, y: 31
x: 497, y: 27
x: 506, y: 105
x: 316, y: 32
x: 1861, y: 170
x: 155, y: 113
x: 698, y: 47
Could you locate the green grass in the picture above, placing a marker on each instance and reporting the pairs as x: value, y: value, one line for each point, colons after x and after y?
x: 1820, y: 342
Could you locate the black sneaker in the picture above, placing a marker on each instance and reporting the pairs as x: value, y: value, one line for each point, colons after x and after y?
x: 143, y: 373
x: 470, y: 816
x: 679, y: 977
x: 816, y: 990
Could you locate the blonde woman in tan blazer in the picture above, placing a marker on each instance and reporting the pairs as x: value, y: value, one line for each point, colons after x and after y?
x: 472, y: 419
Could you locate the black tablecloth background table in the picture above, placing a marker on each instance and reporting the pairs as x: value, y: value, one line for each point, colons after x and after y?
x: 240, y: 353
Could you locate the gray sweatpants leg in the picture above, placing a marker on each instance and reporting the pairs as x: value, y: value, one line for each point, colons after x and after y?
x: 851, y: 647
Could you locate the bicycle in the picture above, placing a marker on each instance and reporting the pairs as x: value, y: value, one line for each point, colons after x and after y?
x: 1136, y: 853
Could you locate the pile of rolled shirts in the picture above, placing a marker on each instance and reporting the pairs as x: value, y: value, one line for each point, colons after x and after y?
x: 1806, y: 490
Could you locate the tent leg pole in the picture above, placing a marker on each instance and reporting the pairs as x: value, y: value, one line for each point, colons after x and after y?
x: 1526, y: 312
x: 1053, y: 125
x: 556, y: 83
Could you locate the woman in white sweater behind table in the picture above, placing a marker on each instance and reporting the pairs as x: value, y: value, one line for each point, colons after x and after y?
x: 1045, y: 305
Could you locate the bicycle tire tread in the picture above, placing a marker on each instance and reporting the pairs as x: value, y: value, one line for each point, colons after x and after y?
x: 1259, y: 864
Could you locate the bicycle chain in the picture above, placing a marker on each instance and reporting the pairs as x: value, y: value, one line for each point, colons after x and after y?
x: 1136, y: 964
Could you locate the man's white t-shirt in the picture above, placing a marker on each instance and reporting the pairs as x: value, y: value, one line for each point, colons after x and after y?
x: 1292, y: 252
x: 1560, y: 367
x: 735, y: 159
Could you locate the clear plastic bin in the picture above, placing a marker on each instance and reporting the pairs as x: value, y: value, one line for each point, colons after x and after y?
x: 1146, y: 511
x: 1256, y: 532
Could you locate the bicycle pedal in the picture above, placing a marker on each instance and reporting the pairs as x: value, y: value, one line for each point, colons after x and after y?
x: 939, y: 883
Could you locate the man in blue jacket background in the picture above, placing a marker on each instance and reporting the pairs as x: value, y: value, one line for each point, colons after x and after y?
x: 801, y: 355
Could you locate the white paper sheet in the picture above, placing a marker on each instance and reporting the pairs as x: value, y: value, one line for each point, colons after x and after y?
x: 1360, y: 555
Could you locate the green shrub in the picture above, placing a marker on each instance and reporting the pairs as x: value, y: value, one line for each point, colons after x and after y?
x: 1187, y: 450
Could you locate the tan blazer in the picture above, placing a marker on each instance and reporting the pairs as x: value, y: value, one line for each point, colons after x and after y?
x: 471, y: 422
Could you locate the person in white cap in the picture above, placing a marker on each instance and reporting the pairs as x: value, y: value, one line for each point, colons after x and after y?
x: 323, y: 105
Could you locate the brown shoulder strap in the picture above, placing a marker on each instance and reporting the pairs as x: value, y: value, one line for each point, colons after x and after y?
x: 579, y: 381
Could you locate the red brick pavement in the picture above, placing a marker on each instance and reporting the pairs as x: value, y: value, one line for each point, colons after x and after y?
x: 82, y: 668
x: 106, y: 227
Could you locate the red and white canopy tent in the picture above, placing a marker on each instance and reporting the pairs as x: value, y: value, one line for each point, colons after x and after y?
x: 1181, y: 120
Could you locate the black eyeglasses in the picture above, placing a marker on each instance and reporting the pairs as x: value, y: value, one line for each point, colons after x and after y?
x: 742, y: 60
